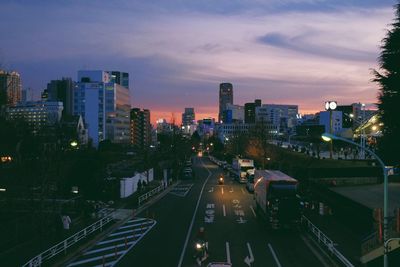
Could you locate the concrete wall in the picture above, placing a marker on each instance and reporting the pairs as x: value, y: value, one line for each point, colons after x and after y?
x: 128, y: 185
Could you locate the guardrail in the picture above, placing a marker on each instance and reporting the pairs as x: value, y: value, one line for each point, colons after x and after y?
x: 324, y: 239
x: 149, y: 194
x: 63, y: 245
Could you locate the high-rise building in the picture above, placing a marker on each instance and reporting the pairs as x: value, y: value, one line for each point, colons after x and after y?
x: 188, y: 117
x: 10, y: 88
x: 141, y: 134
x: 104, y: 105
x: 121, y: 78
x: 250, y: 111
x: 62, y: 90
x: 225, y: 97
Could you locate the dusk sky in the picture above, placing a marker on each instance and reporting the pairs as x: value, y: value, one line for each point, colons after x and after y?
x: 178, y: 51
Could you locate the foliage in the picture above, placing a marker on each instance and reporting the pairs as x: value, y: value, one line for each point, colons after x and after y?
x: 388, y: 79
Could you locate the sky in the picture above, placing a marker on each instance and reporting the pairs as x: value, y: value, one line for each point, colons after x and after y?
x: 302, y: 52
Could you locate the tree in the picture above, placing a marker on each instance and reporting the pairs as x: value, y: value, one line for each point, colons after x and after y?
x: 388, y: 79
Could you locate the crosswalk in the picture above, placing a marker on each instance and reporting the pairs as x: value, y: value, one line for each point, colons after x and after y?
x: 109, y: 250
x: 181, y: 190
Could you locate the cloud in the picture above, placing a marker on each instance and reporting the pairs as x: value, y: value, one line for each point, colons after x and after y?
x: 177, y: 52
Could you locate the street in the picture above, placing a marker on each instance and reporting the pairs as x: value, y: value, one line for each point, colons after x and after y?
x: 234, y: 232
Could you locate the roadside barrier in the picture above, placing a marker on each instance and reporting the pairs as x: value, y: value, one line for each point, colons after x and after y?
x: 38, y: 260
x: 325, y: 240
x: 149, y: 194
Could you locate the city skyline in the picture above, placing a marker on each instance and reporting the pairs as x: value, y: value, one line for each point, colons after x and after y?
x: 177, y: 54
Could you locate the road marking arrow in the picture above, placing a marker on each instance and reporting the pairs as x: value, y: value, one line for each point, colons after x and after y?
x: 211, y: 190
x: 249, y: 259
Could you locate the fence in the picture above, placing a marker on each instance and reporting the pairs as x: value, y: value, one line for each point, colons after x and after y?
x: 63, y: 245
x: 322, y: 238
x: 149, y: 194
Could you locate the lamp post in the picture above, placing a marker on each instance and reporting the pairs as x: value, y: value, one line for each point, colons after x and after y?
x: 330, y: 106
x: 328, y: 138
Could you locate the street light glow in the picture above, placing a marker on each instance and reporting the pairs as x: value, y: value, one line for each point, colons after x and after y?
x: 326, y: 137
x: 74, y: 143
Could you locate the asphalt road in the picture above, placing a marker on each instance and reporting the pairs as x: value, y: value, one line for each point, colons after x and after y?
x: 234, y: 232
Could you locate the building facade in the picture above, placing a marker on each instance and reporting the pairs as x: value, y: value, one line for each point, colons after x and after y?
x: 121, y: 78
x: 324, y: 119
x: 233, y: 114
x: 10, y: 88
x: 225, y: 97
x: 188, y: 117
x: 36, y: 113
x: 250, y: 111
x: 62, y: 91
x: 141, y: 130
x: 226, y: 131
x: 104, y: 105
x: 283, y: 117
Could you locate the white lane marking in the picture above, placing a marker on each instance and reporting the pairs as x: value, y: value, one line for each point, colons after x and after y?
x: 211, y: 190
x: 249, y: 259
x: 117, y: 239
x: 274, y: 255
x: 123, y: 245
x: 254, y: 213
x: 95, y: 258
x: 231, y: 190
x: 228, y: 253
x: 223, y: 209
x: 136, y: 220
x: 134, y: 225
x: 222, y: 190
x: 130, y: 231
x: 194, y: 216
x: 243, y: 191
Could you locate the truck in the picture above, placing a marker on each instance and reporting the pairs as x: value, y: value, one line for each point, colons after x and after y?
x: 276, y: 198
x: 240, y: 167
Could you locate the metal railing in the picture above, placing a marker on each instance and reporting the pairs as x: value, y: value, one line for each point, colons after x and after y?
x: 63, y: 245
x: 325, y: 240
x: 149, y: 194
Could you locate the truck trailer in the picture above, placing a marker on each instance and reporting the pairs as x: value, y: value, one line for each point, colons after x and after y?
x: 275, y: 194
x: 240, y: 167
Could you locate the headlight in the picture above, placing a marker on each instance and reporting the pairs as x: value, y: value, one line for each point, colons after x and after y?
x: 198, y: 246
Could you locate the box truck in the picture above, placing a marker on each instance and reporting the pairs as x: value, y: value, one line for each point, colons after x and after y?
x: 275, y: 194
x: 240, y: 168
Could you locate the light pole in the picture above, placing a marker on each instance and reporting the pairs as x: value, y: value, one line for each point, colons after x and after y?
x: 328, y: 138
x: 330, y: 106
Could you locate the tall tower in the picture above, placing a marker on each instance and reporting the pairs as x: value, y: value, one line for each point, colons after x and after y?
x: 225, y: 97
x: 10, y: 88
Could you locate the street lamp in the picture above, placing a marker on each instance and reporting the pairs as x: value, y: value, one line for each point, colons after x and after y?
x: 328, y: 138
x: 330, y: 106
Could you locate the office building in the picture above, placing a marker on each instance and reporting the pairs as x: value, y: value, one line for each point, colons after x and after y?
x: 324, y: 119
x: 36, y: 113
x: 61, y: 90
x: 10, y: 88
x: 226, y: 131
x: 188, y: 117
x: 284, y: 117
x: 250, y: 111
x: 233, y: 114
x: 104, y: 105
x: 121, y: 78
x: 225, y: 97
x: 141, y: 131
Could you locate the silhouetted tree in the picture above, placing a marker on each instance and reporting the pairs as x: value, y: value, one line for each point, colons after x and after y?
x: 388, y: 78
